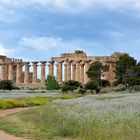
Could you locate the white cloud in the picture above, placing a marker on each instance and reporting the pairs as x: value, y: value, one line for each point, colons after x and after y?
x: 49, y: 43
x: 75, y: 5
x: 5, y: 51
x: 2, y: 50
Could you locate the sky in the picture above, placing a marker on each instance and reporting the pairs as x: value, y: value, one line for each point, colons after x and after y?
x: 41, y: 29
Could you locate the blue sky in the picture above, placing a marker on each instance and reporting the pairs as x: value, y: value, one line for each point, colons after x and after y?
x: 41, y: 29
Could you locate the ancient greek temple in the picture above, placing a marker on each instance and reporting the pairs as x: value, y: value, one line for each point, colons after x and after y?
x: 69, y: 66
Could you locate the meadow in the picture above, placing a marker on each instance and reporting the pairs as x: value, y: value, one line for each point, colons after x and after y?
x: 113, y: 116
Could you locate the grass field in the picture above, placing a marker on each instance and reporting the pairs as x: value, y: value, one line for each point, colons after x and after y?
x: 113, y: 116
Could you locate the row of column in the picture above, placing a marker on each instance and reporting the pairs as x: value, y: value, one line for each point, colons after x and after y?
x: 19, y: 72
x: 72, y: 71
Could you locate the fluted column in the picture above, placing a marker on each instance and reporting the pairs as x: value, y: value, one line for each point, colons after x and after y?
x: 19, y: 73
x: 27, y: 73
x: 11, y: 72
x: 82, y: 73
x: 65, y: 72
x: 34, y: 72
x: 2, y: 71
x: 60, y: 71
x: 57, y: 72
x: 51, y: 68
x: 43, y: 64
x: 78, y: 71
x: 87, y: 65
x: 6, y: 71
x: 73, y: 71
x: 68, y: 71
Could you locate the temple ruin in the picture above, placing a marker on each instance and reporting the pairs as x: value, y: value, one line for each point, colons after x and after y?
x: 69, y: 66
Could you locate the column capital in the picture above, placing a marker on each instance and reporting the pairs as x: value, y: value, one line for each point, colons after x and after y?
x: 60, y: 61
x: 35, y: 62
x: 51, y: 62
x: 82, y: 63
x: 78, y: 61
x: 43, y: 62
x: 87, y: 61
x: 10, y: 63
x: 73, y: 64
x: 68, y: 61
x: 18, y: 62
x: 27, y: 63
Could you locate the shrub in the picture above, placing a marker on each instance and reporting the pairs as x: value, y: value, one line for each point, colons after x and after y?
x: 71, y: 85
x: 82, y: 90
x: 92, y: 85
x: 65, y: 88
x: 52, y: 83
x: 135, y: 88
x: 6, y: 85
x: 16, y: 88
x: 105, y: 83
x: 120, y: 87
x: 134, y: 81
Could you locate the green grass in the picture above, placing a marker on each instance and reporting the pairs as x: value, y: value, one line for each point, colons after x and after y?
x: 25, y: 102
x: 30, y: 102
x: 48, y: 122
x: 104, y: 117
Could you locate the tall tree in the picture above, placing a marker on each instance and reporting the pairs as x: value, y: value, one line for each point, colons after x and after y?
x: 95, y: 71
x: 124, y: 67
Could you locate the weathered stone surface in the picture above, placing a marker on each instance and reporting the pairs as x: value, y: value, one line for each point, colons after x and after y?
x: 75, y: 67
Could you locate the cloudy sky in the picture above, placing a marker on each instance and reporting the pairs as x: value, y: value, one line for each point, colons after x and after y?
x: 40, y: 29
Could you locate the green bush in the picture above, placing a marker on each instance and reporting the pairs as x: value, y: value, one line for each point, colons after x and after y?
x: 65, y: 88
x: 71, y: 85
x: 82, y: 90
x: 52, y: 83
x: 92, y: 85
x: 16, y: 88
x: 6, y: 85
x: 135, y: 88
x: 134, y: 81
x: 120, y: 88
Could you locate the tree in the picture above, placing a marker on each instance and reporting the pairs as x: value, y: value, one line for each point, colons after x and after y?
x: 52, y: 83
x: 71, y: 85
x: 124, y: 68
x: 95, y: 71
x: 93, y: 85
x: 6, y: 85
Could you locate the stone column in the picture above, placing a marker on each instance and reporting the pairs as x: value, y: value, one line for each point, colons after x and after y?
x: 19, y: 73
x: 68, y: 71
x: 57, y: 72
x: 65, y: 72
x: 34, y: 81
x: 2, y: 71
x: 82, y: 73
x: 87, y: 65
x: 27, y: 73
x: 6, y: 71
x: 73, y: 71
x: 43, y: 74
x: 51, y: 68
x: 60, y: 71
x: 78, y: 71
x: 11, y: 72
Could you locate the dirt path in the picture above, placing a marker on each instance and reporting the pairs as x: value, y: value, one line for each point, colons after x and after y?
x: 3, y: 113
